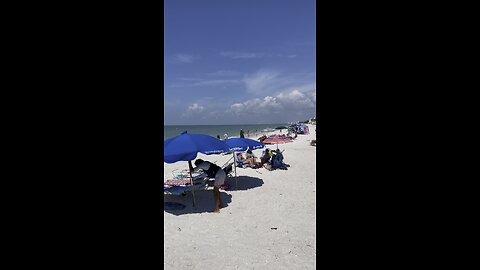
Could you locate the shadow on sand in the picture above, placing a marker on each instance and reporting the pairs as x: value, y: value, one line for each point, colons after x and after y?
x: 204, y: 198
x: 204, y: 202
x: 244, y: 183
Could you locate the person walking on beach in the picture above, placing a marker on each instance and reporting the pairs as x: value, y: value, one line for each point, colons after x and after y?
x: 241, y: 134
x: 212, y: 171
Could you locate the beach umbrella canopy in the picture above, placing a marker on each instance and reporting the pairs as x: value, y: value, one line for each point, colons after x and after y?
x: 186, y: 146
x: 242, y: 144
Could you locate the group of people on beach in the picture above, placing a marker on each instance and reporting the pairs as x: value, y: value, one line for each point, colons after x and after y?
x: 270, y: 160
x: 242, y: 134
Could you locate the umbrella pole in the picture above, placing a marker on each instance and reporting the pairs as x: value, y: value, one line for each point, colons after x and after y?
x: 191, y: 181
x: 235, y: 166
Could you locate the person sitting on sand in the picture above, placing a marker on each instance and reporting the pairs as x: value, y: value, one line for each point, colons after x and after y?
x: 252, y: 159
x: 277, y: 161
x: 313, y: 143
x: 243, y: 161
x: 265, y: 157
x: 212, y: 171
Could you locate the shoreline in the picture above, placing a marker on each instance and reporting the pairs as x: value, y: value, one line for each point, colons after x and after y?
x: 233, y: 131
x: 268, y: 221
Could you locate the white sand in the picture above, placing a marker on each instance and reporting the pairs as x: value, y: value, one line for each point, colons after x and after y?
x: 241, y: 235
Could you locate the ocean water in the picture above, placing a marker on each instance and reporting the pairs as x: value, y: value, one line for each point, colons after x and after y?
x: 214, y: 130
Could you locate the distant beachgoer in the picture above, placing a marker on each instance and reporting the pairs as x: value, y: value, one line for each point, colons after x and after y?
x: 212, y: 171
x: 225, y: 136
x: 218, y: 137
x: 241, y: 134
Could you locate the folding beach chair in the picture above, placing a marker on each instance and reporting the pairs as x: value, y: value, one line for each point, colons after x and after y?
x: 239, y: 163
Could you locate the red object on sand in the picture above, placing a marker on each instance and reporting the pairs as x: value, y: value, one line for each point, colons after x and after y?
x: 177, y: 182
x: 225, y: 187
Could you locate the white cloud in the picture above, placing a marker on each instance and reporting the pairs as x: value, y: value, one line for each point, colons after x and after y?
x: 215, y: 82
x: 283, y: 103
x: 261, y: 82
x: 292, y: 56
x: 195, y: 108
x: 184, y: 58
x: 241, y: 55
x: 267, y: 82
x: 195, y: 83
x: 296, y: 100
x: 237, y: 108
x: 190, y: 79
x: 224, y: 73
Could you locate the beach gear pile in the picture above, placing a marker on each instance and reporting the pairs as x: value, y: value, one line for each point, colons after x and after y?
x: 299, y: 129
x: 274, y: 139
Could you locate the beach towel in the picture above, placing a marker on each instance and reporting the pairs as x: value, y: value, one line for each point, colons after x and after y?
x: 177, y: 182
x: 274, y: 141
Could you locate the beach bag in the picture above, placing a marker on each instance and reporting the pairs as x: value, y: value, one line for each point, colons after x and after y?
x: 268, y: 166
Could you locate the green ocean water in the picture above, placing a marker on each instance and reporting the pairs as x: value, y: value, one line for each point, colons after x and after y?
x: 214, y: 130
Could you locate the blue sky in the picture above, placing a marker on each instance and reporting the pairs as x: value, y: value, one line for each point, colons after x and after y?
x: 239, y: 61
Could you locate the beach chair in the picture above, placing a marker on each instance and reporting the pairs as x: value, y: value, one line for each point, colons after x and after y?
x: 228, y: 167
x: 180, y: 183
x: 239, y: 163
x: 182, y: 190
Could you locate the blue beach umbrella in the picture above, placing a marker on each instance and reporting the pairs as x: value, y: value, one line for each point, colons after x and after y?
x: 242, y: 144
x: 185, y: 147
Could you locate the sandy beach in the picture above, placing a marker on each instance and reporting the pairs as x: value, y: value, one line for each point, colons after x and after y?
x: 268, y: 221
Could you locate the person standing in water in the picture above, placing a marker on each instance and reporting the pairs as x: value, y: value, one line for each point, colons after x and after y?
x: 241, y: 134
